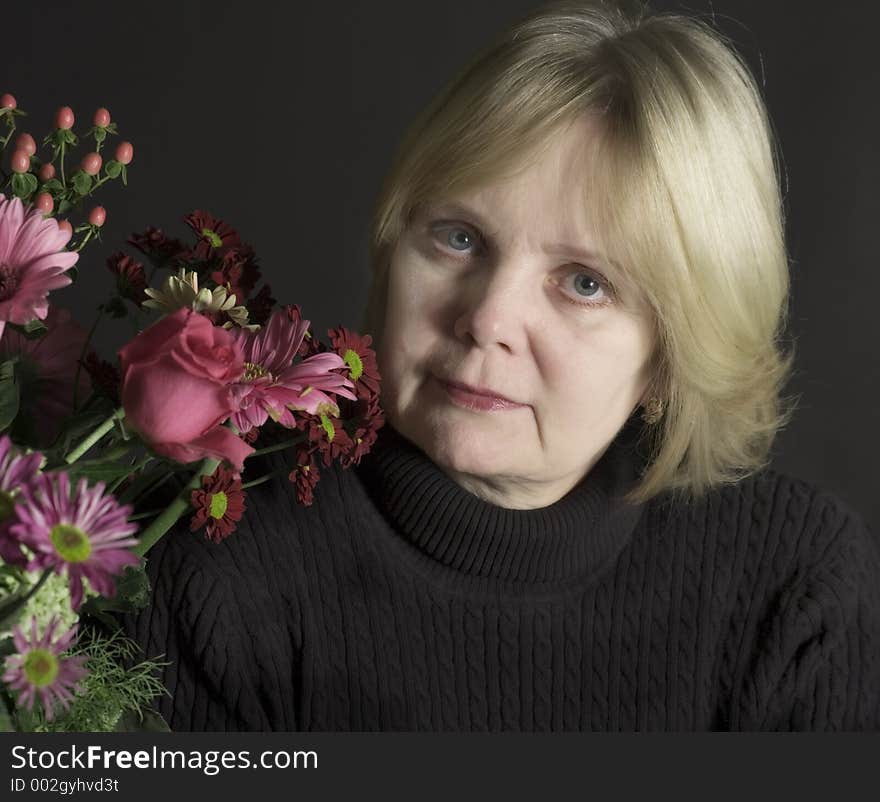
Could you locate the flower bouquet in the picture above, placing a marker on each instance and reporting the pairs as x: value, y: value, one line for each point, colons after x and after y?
x: 100, y: 459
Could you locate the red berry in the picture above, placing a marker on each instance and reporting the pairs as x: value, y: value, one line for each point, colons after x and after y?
x: 20, y: 161
x: 64, y: 225
x: 97, y: 216
x: 91, y: 163
x: 124, y: 152
x: 64, y: 117
x: 47, y: 172
x: 7, y: 101
x: 102, y: 117
x: 26, y: 142
x: 44, y: 203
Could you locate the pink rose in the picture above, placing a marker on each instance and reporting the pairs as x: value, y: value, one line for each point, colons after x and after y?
x: 176, y: 388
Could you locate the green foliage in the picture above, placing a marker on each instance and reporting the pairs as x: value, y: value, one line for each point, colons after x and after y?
x: 9, y: 395
x: 24, y: 185
x: 114, y: 697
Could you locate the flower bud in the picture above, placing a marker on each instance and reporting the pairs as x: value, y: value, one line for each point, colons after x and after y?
x: 124, y: 152
x: 44, y: 203
x: 26, y: 142
x: 20, y: 161
x: 97, y: 216
x: 64, y: 117
x: 7, y: 101
x: 91, y: 163
x: 102, y: 117
x: 47, y: 172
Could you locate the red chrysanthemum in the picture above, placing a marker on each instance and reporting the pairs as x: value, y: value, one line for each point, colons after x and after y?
x: 310, y: 345
x: 361, y: 360
x: 214, y: 234
x: 364, y: 417
x: 105, y: 376
x: 131, y: 281
x: 239, y: 269
x: 157, y: 246
x: 305, y: 475
x: 219, y: 504
x: 261, y: 305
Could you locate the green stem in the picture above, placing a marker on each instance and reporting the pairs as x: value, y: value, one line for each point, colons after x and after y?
x: 87, y: 237
x: 148, y: 514
x: 277, y: 447
x: 83, y: 351
x: 262, y: 479
x: 94, y: 437
x: 168, y: 517
x: 63, y: 180
x: 10, y: 609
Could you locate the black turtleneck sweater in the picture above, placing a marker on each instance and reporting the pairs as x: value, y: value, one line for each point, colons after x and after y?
x: 400, y: 601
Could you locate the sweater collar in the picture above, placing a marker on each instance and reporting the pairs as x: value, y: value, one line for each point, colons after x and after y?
x: 570, y: 538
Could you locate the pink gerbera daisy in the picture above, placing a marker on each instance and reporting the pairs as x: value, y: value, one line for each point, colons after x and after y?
x: 272, y: 386
x: 38, y: 668
x: 16, y: 471
x: 84, y: 535
x: 32, y: 261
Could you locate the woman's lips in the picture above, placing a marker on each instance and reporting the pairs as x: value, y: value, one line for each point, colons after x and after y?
x: 476, y: 401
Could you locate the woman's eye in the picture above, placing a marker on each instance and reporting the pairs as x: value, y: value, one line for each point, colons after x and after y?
x: 590, y: 290
x: 456, y: 238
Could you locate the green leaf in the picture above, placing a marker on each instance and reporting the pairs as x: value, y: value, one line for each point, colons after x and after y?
x: 53, y: 185
x: 64, y: 206
x: 124, y: 175
x: 132, y: 594
x: 82, y: 182
x: 24, y: 184
x: 100, y: 135
x: 113, y: 168
x: 5, y: 718
x: 69, y: 137
x: 151, y: 722
x: 96, y: 470
x: 32, y: 330
x: 9, y: 396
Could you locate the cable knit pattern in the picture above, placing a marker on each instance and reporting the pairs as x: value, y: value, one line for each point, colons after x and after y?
x: 400, y: 601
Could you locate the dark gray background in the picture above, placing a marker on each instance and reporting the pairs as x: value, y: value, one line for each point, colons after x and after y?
x: 282, y: 120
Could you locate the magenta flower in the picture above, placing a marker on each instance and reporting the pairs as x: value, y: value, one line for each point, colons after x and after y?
x: 46, y: 375
x: 16, y: 471
x: 272, y: 386
x: 32, y: 261
x: 38, y: 669
x: 85, y: 535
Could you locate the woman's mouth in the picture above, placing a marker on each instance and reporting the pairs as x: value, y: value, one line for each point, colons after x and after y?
x: 463, y: 395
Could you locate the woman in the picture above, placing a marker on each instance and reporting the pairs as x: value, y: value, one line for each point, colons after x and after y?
x: 568, y: 522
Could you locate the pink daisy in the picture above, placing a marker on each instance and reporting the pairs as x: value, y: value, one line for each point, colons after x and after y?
x: 38, y: 669
x: 32, y: 261
x: 85, y: 535
x: 272, y: 386
x: 16, y: 471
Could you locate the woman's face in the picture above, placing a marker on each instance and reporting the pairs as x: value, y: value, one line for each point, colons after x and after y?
x: 493, y: 289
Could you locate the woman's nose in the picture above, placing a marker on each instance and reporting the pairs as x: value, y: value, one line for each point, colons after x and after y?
x: 494, y: 310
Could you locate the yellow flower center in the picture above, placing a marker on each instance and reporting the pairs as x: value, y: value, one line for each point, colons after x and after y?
x: 353, y: 360
x: 219, y: 503
x: 70, y: 542
x: 253, y: 372
x: 212, y: 237
x: 40, y: 667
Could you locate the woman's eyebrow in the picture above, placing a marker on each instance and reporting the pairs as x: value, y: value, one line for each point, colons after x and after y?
x: 560, y: 248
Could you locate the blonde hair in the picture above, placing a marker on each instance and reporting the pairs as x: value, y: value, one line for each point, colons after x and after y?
x: 683, y: 195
